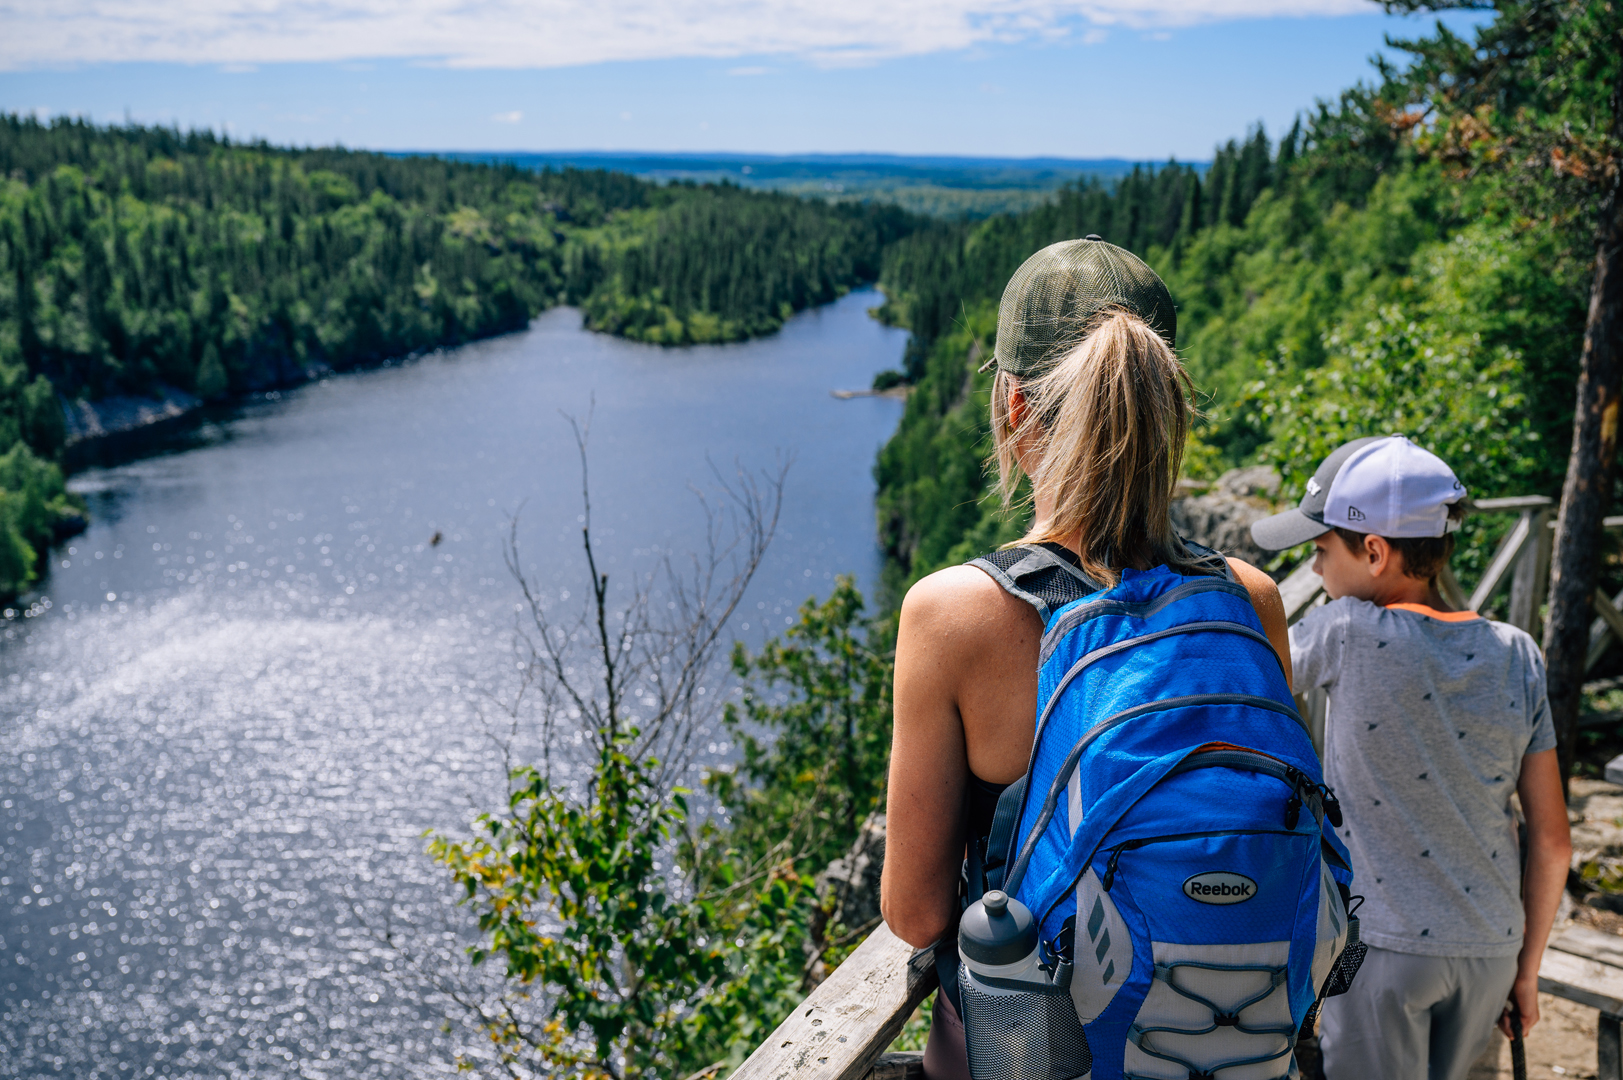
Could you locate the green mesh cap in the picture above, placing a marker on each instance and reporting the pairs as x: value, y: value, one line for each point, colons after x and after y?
x: 1056, y: 291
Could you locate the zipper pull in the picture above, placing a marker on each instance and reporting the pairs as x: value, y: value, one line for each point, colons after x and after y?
x: 1293, y: 810
x: 1110, y: 869
x: 1332, y: 807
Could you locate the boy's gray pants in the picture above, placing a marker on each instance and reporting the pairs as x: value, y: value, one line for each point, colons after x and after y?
x: 1414, y: 1017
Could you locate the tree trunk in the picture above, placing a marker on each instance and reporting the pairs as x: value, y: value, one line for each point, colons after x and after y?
x: 1579, y: 535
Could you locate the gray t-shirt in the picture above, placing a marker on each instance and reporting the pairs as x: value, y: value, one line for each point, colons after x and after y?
x: 1430, y: 716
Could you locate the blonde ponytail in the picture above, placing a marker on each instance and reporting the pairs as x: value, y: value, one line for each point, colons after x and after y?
x: 1109, y: 422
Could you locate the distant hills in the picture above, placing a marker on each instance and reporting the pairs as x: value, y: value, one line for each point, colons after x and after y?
x: 938, y: 185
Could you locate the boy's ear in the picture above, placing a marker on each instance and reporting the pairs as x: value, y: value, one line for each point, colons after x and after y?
x: 1379, y: 555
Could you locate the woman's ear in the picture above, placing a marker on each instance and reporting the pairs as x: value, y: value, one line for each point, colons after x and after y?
x: 1017, y: 407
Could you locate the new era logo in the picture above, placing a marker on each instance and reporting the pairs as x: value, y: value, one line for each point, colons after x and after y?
x: 1354, y: 514
x: 1220, y: 887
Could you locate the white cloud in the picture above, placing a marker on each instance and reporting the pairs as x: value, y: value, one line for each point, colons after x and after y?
x: 558, y: 33
x: 508, y: 117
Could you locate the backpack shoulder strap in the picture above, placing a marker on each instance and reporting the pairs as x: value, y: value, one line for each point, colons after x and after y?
x: 1212, y: 557
x: 1045, y: 576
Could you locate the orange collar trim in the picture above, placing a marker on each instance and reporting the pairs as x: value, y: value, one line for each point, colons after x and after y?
x: 1433, y: 613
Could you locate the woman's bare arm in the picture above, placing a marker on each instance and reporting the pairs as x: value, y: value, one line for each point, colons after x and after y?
x: 929, y: 769
x: 1270, y: 609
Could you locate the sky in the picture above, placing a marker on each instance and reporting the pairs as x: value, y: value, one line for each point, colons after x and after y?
x: 1139, y: 79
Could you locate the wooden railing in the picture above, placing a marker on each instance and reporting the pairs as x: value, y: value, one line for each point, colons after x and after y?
x: 842, y: 1030
x: 844, y: 1027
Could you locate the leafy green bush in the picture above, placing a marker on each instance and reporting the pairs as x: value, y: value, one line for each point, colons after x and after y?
x: 34, y: 508
x: 658, y: 940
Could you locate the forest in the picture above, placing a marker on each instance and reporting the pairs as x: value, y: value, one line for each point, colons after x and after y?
x: 132, y: 257
x: 1350, y: 280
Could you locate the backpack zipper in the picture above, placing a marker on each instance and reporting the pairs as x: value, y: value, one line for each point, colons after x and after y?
x: 1318, y: 797
x: 1133, y: 845
x: 1233, y: 758
x: 1017, y: 859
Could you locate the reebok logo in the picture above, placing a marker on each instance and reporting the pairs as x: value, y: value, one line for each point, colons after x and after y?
x: 1354, y: 514
x: 1220, y: 887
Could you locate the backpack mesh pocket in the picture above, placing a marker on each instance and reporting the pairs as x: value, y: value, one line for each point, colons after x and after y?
x: 1348, y: 963
x: 1023, y: 1035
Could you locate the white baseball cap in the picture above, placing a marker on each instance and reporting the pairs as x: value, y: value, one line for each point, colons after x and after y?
x: 1383, y: 484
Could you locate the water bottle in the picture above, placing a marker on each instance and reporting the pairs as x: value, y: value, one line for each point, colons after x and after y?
x: 1019, y: 1020
x: 997, y: 939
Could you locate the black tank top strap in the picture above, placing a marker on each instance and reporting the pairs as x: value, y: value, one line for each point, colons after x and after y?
x: 1047, y: 576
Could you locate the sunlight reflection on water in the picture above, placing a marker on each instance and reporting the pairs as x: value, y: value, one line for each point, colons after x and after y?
x: 258, y: 683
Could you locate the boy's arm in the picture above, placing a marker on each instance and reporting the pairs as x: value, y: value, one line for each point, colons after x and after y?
x: 1316, y: 643
x: 1549, y: 855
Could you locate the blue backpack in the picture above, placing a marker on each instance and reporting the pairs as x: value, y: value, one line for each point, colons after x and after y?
x: 1173, y: 839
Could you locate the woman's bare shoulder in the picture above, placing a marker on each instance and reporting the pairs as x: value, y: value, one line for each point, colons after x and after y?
x: 958, y: 600
x: 1261, y: 587
x: 948, y: 592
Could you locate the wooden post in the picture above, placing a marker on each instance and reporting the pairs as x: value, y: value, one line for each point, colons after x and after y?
x: 1608, y: 1051
x: 1588, y: 486
x: 1532, y: 576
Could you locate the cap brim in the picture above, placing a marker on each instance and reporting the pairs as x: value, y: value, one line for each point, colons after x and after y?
x: 1286, y: 530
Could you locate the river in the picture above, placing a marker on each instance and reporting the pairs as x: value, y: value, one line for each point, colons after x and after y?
x: 247, y: 690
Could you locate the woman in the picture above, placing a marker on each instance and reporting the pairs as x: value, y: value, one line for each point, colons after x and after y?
x: 1091, y: 404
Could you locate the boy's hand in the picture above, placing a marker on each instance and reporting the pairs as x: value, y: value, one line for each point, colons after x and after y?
x: 1524, y: 996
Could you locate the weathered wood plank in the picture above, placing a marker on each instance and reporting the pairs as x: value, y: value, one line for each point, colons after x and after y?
x: 1609, y: 1048
x: 1512, y: 502
x: 1600, y: 636
x: 1503, y: 560
x: 1530, y: 581
x: 1577, y: 978
x: 840, y: 1030
x: 1449, y: 586
x: 1591, y: 944
x: 1608, y: 611
x: 901, y: 1065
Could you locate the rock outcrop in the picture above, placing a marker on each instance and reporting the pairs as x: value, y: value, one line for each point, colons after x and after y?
x: 1221, y: 516
x: 111, y: 415
x: 853, y: 879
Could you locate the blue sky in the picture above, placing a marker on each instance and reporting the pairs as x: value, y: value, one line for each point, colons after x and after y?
x: 1141, y: 79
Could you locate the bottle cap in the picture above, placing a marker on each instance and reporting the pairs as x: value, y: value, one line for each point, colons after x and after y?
x: 997, y: 929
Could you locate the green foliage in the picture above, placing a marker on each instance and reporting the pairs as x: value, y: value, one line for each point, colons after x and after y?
x: 655, y: 941
x: 34, y: 508
x: 933, y: 501
x: 814, y: 734
x: 134, y: 256
x: 573, y: 896
x: 1424, y: 378
x: 1362, y: 282
x: 722, y: 264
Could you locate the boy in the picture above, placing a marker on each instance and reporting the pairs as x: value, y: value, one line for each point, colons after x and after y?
x: 1435, y: 717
